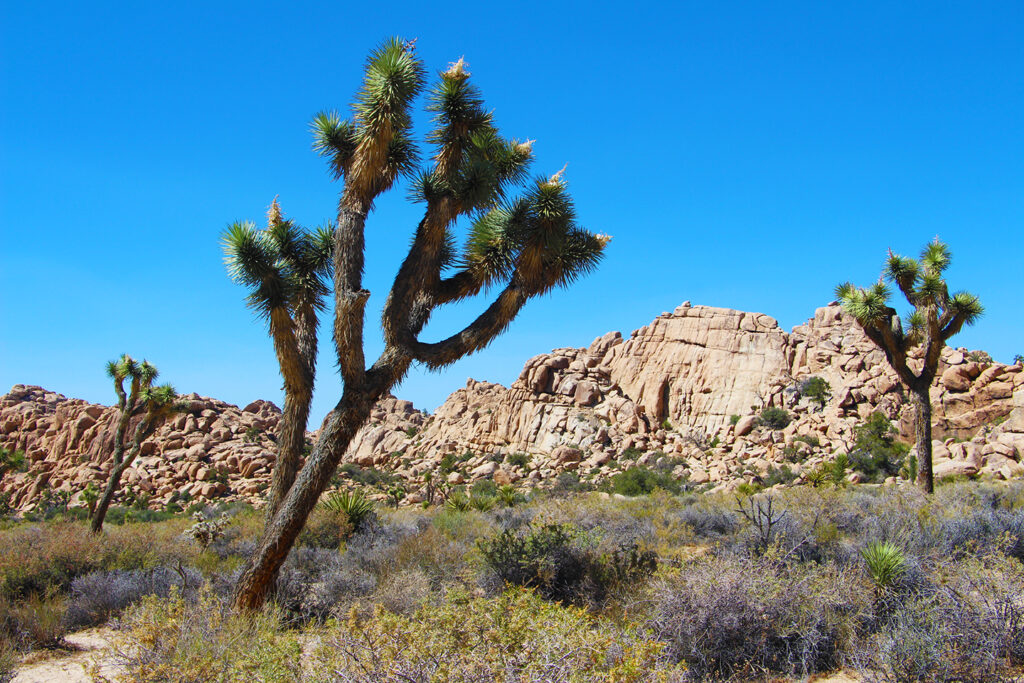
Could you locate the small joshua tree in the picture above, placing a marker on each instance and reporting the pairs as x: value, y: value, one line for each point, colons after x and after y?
x: 285, y: 268
x: 153, y: 404
x: 936, y: 317
x: 521, y: 246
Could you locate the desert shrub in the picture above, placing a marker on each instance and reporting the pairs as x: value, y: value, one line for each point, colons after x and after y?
x: 448, y: 463
x: 326, y: 528
x: 731, y: 616
x: 516, y: 636
x: 174, y: 639
x: 521, y: 460
x: 570, y: 482
x: 438, y: 556
x: 631, y: 453
x: 774, y: 418
x: 403, y: 592
x: 96, y: 597
x: 562, y: 566
x: 8, y: 660
x: 969, y: 627
x: 314, y: 581
x: 809, y: 439
x: 639, y: 480
x: 119, y: 515
x: 367, y: 476
x: 816, y: 389
x: 706, y: 521
x: 734, y: 419
x: 783, y: 474
x: 876, y: 453
x: 373, y: 548
x: 32, y: 623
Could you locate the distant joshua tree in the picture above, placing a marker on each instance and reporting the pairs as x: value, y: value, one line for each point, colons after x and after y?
x: 522, y: 247
x: 936, y: 317
x: 154, y: 404
x: 286, y: 270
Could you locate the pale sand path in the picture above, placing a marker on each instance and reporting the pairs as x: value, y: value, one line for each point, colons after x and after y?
x: 93, y: 647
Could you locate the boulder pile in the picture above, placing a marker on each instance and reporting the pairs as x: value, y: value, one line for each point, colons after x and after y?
x: 684, y: 391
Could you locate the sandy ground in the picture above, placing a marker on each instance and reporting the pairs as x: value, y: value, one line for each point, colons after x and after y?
x: 91, y: 649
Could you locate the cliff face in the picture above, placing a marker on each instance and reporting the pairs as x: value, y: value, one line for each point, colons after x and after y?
x: 671, y: 389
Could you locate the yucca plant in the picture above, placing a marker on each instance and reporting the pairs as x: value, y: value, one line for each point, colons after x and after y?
x: 508, y: 496
x: 483, y: 502
x: 885, y: 563
x: 153, y: 404
x: 458, y: 501
x: 285, y: 269
x: 521, y: 245
x: 936, y: 316
x: 353, y: 504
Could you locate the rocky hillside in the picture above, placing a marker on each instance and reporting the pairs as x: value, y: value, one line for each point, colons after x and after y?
x: 682, y: 392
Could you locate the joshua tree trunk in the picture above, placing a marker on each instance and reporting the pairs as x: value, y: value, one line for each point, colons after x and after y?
x: 142, y: 432
x: 339, y: 428
x: 108, y: 496
x: 291, y: 442
x: 923, y: 437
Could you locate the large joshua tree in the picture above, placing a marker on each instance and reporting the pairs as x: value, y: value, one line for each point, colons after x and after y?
x: 153, y: 404
x: 286, y: 270
x: 523, y: 246
x: 936, y: 316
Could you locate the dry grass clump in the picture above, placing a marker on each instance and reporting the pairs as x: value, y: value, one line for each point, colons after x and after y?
x: 516, y: 636
x: 200, y: 639
x: 733, y: 616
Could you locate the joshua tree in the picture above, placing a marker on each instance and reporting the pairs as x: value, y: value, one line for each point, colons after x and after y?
x: 526, y: 246
x: 936, y: 317
x: 154, y: 404
x: 286, y: 269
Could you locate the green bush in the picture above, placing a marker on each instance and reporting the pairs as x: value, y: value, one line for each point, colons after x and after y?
x: 876, y: 454
x: 554, y: 560
x: 12, y: 461
x: 816, y: 389
x: 521, y: 460
x: 326, y: 528
x: 734, y: 419
x: 774, y: 418
x: 639, y: 480
x: 777, y: 475
x: 367, y: 476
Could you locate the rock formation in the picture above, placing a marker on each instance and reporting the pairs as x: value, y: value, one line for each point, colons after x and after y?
x: 686, y: 387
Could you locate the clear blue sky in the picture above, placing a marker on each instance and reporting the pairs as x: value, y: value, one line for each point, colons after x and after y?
x: 748, y: 155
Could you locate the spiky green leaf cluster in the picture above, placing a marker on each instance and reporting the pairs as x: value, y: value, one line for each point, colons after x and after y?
x: 869, y: 306
x: 536, y: 238
x: 885, y: 563
x: 393, y: 78
x: 282, y: 265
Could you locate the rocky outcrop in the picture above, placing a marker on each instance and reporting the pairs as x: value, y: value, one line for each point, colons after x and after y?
x: 683, y: 391
x: 676, y: 387
x: 213, y: 450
